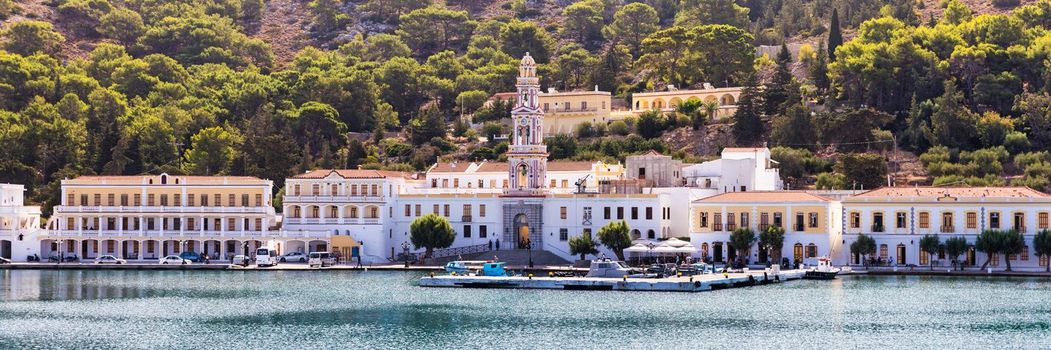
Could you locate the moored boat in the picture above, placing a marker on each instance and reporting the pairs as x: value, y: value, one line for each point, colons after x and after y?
x: 823, y: 271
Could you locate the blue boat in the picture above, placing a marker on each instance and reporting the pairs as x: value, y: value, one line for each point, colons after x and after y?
x: 457, y: 267
x: 494, y: 269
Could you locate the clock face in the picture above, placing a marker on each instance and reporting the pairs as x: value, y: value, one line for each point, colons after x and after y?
x: 523, y: 121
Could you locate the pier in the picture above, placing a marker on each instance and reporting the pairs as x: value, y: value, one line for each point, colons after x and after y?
x: 696, y: 283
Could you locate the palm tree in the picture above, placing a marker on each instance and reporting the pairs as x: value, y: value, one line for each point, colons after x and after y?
x: 710, y: 108
x: 930, y: 244
x: 863, y: 246
x: 954, y: 247
x: 988, y: 242
x: 772, y: 240
x: 1042, y: 245
x: 1012, y: 244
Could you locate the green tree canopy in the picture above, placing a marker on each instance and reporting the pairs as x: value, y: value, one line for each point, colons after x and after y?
x: 431, y: 232
x: 615, y: 236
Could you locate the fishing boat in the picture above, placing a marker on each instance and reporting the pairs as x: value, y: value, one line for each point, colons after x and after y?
x: 823, y: 271
x: 494, y: 269
x: 607, y: 268
x: 458, y: 267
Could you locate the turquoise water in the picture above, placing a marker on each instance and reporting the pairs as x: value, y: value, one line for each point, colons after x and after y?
x: 382, y: 310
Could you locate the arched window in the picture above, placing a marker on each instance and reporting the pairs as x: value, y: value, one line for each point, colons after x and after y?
x: 811, y: 250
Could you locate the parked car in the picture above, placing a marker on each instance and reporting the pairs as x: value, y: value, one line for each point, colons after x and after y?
x: 174, y: 260
x: 191, y: 256
x: 109, y: 259
x: 321, y: 259
x: 240, y: 260
x: 294, y: 256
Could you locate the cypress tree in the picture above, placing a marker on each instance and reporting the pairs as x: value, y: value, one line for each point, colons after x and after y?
x: 747, y: 124
x: 776, y: 93
x: 819, y: 69
x: 835, y: 38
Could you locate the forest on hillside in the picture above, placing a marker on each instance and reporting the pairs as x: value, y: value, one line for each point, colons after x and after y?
x: 207, y: 87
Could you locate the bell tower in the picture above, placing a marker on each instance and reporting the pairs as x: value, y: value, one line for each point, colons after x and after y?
x: 527, y: 154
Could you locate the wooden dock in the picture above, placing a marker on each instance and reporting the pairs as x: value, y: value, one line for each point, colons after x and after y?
x: 698, y: 283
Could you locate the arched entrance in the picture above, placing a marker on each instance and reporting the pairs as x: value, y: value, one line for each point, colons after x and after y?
x: 797, y: 253
x: 901, y: 254
x: 522, y: 231
x: 523, y: 173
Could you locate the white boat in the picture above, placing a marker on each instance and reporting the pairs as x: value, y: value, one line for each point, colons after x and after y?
x: 823, y: 271
x: 606, y: 268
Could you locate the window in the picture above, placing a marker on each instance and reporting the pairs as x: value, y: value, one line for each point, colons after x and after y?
x: 972, y: 219
x: 799, y: 222
x: 97, y: 199
x: 811, y: 250
x: 483, y: 231
x: 1025, y: 253
x: 777, y: 220
x: 333, y: 190
x: 704, y: 219
x: 563, y: 234
x: 553, y: 182
x: 649, y: 213
x: 562, y: 213
x: 925, y: 220
x: 315, y: 189
x: 354, y: 188
x: 620, y: 213
x: 149, y: 199
x: 924, y: 258
x: 634, y: 213
x: 994, y: 220
x: 467, y: 212
x: 744, y: 220
x: 111, y: 199
x: 244, y: 200
x: 899, y: 221
x: 947, y: 222
x: 587, y: 216
x: 855, y: 220
x: 258, y: 200
x: 731, y: 224
x: 69, y: 199
x: 466, y: 231
x: 434, y: 209
x: 481, y: 211
x: 445, y: 210
x: 1019, y: 222
x: 232, y: 200
x: 877, y: 222
x: 717, y: 221
x: 764, y: 221
x: 813, y: 220
x: 218, y: 200
x: 138, y: 199
x: 606, y: 213
x: 408, y: 210
x: 1041, y: 220
x: 124, y: 200
x: 164, y: 200
x: 418, y: 210
x: 295, y: 190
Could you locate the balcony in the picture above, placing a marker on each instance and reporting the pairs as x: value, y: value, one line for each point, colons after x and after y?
x: 731, y: 227
x: 161, y: 210
x: 948, y: 229
x: 361, y: 198
x: 878, y: 228
x: 163, y: 234
x: 331, y: 221
x: 1020, y: 228
x: 465, y: 218
x: 717, y: 227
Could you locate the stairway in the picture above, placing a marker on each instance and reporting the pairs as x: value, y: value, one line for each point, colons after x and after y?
x: 515, y: 257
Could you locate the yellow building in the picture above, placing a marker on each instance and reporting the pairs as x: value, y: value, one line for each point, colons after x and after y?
x: 667, y: 101
x: 150, y: 216
x: 563, y: 111
x: 811, y: 223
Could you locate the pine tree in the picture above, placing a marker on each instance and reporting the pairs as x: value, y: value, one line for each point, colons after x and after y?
x: 835, y: 38
x: 747, y: 123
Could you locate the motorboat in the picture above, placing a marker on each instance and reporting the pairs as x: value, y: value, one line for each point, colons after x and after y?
x: 822, y: 271
x: 458, y: 267
x: 494, y: 269
x: 606, y: 268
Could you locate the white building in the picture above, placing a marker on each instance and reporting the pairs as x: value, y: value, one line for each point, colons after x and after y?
x: 19, y: 224
x: 738, y: 170
x: 898, y: 217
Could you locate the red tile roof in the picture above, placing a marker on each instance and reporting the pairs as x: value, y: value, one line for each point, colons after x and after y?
x: 958, y: 192
x: 766, y: 197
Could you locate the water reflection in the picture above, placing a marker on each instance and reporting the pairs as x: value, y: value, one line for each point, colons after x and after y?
x: 211, y: 309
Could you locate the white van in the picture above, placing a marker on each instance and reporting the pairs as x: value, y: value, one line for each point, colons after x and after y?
x: 266, y: 257
x: 321, y: 259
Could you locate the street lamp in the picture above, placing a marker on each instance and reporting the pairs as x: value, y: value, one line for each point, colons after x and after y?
x: 529, y: 247
x: 405, y: 254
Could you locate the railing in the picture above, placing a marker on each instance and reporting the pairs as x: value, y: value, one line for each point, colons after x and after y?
x: 947, y: 229
x: 161, y: 209
x: 190, y: 234
x: 717, y: 227
x: 763, y: 227
x: 447, y: 252
x: 731, y: 227
x: 878, y: 228
x: 337, y: 221
x: 333, y: 199
x: 1020, y: 229
x: 465, y: 218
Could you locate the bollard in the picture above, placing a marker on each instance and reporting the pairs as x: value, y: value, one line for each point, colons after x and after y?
x: 432, y: 274
x: 550, y: 274
x: 454, y: 273
x: 625, y: 278
x: 530, y: 276
x: 679, y: 273
x: 691, y: 279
